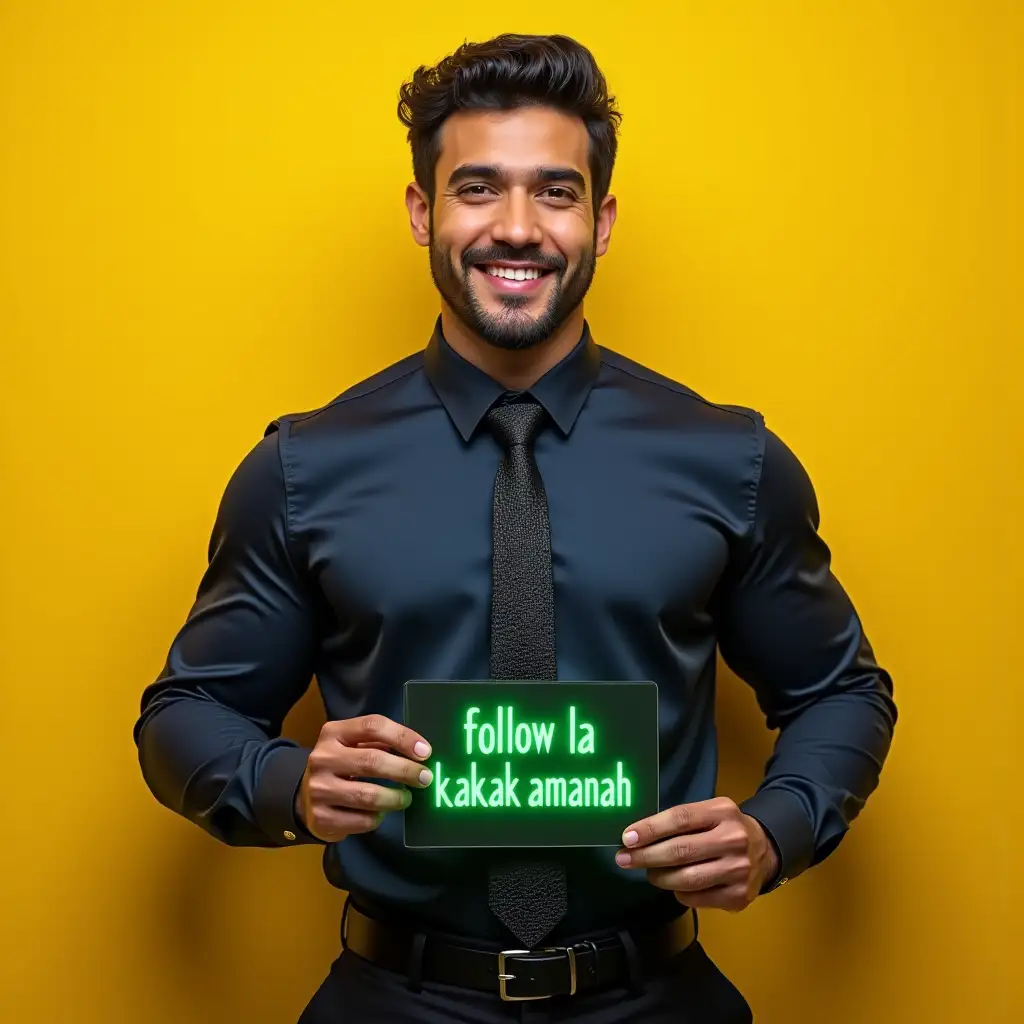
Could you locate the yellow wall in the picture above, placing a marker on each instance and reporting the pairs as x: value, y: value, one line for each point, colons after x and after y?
x: 201, y: 227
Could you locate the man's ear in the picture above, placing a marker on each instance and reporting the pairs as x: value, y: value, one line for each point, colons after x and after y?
x: 418, y: 205
x: 606, y: 215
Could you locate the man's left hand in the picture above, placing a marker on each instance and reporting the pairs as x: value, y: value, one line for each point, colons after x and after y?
x: 709, y: 853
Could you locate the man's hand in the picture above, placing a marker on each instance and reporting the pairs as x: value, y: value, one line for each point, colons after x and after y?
x: 334, y: 801
x: 709, y: 853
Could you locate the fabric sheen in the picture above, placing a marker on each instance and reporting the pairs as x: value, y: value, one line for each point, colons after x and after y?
x: 353, y: 544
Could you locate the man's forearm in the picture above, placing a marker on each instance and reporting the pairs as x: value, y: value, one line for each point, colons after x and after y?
x: 221, y: 771
x: 825, y: 765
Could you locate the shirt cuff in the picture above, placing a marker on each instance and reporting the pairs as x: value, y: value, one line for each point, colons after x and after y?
x: 787, y: 825
x: 274, y: 800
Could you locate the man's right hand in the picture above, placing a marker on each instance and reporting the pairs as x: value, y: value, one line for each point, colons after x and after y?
x: 335, y: 800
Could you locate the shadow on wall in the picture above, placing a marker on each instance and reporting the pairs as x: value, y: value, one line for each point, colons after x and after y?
x: 247, y: 934
x: 827, y: 917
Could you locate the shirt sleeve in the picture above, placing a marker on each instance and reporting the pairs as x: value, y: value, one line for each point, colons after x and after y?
x: 788, y: 628
x: 209, y: 734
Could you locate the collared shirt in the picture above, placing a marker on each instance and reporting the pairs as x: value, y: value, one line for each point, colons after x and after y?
x: 353, y: 544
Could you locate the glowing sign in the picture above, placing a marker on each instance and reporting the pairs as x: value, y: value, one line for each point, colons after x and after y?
x: 533, y: 763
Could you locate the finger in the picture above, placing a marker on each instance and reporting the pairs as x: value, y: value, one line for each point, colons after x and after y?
x: 378, y: 729
x: 368, y: 796
x: 671, y: 852
x: 332, y: 824
x: 684, y: 818
x: 721, y: 897
x: 370, y: 763
x: 698, y: 877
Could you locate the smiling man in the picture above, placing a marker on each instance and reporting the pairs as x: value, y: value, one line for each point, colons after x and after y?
x: 516, y: 502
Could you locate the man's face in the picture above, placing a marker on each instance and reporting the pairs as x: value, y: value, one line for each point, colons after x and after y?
x: 512, y: 233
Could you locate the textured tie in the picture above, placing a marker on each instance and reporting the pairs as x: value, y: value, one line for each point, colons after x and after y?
x: 527, y: 895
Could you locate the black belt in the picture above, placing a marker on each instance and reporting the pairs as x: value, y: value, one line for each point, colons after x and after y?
x: 517, y: 974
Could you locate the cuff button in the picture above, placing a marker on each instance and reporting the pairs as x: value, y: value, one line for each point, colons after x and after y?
x: 289, y: 835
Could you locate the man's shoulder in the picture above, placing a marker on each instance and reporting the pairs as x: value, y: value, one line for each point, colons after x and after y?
x: 654, y: 387
x: 379, y: 387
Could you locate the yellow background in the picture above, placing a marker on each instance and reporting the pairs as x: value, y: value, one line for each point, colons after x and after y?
x: 201, y: 227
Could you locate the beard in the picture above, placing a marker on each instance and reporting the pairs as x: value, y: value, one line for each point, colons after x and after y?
x: 513, y: 327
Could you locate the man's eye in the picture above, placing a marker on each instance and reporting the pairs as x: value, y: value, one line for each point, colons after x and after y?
x: 475, y: 190
x: 558, y: 192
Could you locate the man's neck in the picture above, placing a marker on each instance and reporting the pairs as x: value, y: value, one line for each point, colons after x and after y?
x: 515, y: 369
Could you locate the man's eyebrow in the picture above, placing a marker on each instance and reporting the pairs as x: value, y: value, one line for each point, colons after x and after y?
x: 488, y: 172
x: 492, y: 172
x: 562, y: 174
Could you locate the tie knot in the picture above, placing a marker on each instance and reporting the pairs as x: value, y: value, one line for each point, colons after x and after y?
x: 516, y: 423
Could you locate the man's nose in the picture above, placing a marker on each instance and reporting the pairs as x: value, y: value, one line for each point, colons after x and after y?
x: 517, y: 223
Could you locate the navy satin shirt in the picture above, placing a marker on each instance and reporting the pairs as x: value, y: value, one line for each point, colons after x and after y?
x: 353, y: 544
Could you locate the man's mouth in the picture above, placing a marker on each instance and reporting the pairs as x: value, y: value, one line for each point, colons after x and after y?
x: 511, y: 278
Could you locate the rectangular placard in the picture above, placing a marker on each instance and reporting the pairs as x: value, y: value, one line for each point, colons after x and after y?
x: 527, y: 763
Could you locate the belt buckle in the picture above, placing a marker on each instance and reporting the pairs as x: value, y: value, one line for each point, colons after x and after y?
x: 504, y: 977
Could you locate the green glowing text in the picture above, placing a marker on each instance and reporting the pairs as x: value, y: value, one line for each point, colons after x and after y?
x: 484, y: 790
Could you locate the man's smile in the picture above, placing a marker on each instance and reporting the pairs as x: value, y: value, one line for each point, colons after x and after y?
x: 513, y: 278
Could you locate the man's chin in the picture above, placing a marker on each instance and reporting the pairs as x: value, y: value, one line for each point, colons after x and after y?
x: 512, y: 337
x: 508, y: 327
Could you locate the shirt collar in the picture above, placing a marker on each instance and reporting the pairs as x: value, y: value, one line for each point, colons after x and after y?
x: 467, y: 392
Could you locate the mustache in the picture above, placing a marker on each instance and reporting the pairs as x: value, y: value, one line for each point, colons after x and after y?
x: 495, y: 253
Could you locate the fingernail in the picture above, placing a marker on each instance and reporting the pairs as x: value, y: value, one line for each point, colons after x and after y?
x: 422, y: 749
x: 631, y: 838
x: 406, y: 799
x: 623, y: 859
x: 426, y: 776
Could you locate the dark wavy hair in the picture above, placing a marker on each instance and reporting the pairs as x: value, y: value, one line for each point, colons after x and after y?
x: 505, y: 73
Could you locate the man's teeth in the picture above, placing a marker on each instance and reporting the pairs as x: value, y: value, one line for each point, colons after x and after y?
x: 510, y: 274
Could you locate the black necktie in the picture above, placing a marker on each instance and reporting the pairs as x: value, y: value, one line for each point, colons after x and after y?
x: 527, y: 895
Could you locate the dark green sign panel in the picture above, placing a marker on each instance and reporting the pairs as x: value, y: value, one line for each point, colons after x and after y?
x: 525, y: 763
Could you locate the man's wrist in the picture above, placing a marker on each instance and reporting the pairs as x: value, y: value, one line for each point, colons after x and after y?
x: 770, y: 858
x: 276, y: 798
x: 787, y: 827
x: 300, y: 818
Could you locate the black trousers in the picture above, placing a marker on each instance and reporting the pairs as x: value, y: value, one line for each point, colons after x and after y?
x: 690, y: 989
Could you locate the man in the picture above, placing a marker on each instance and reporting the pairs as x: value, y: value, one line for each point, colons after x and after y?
x: 516, y: 502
